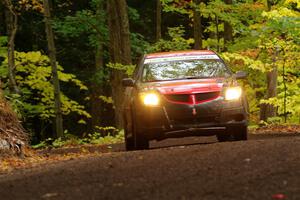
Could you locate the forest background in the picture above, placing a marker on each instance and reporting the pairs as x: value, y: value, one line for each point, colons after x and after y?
x: 98, y: 42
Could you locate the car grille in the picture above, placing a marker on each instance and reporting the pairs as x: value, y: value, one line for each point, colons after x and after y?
x: 178, y: 97
x: 186, y: 98
x: 207, y: 96
x: 193, y: 120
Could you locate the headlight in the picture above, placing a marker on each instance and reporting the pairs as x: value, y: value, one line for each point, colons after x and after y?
x: 150, y: 99
x: 233, y: 93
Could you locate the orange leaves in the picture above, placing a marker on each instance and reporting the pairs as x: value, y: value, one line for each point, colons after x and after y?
x: 36, y: 5
x: 278, y: 129
x: 252, y: 53
x: 35, y: 159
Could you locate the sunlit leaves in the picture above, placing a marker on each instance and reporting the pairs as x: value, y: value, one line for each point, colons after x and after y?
x: 128, y: 69
x: 176, y: 41
x: 36, y: 5
x: 33, y: 76
x: 3, y: 49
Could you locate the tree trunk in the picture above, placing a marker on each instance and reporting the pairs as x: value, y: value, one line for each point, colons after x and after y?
x: 217, y: 33
x: 12, y: 26
x: 120, y: 51
x: 228, y: 32
x: 97, y: 90
x: 272, y: 90
x: 267, y: 110
x: 197, y: 26
x: 55, y: 79
x: 158, y: 19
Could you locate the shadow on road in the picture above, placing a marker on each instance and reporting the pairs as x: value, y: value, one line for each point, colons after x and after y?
x: 193, y: 141
x: 180, y: 142
x: 164, y: 144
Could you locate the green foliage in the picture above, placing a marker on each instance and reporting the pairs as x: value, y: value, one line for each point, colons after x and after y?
x: 176, y: 41
x: 87, y: 22
x: 103, y: 136
x: 175, y: 6
x: 264, y: 38
x: 33, y: 76
x: 273, y: 42
x: 3, y: 49
x: 139, y: 45
x: 106, y: 99
x: 127, y: 69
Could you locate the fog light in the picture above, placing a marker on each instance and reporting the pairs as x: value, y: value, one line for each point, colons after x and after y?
x: 233, y: 93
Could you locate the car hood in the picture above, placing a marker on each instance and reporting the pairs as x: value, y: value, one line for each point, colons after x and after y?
x: 186, y: 86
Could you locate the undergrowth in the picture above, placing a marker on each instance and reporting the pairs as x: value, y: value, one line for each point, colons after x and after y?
x: 111, y: 136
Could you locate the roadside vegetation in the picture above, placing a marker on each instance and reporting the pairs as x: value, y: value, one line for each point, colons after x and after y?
x: 69, y: 140
x: 96, y: 48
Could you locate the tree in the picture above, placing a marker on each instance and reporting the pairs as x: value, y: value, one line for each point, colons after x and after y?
x: 52, y: 56
x: 96, y: 89
x: 228, y: 35
x: 269, y: 110
x: 197, y: 26
x: 158, y: 19
x: 12, y: 27
x: 120, y: 51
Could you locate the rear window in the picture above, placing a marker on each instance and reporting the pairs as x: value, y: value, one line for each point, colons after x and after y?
x: 164, y: 69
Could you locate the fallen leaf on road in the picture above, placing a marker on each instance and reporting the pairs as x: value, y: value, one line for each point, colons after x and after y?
x: 49, y: 195
x: 285, y: 182
x: 140, y: 157
x: 118, y: 184
x: 278, y: 196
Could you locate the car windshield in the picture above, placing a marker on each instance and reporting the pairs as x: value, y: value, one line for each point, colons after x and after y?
x: 184, y: 69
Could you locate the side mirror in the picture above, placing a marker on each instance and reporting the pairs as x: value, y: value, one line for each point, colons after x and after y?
x: 128, y: 82
x: 241, y: 75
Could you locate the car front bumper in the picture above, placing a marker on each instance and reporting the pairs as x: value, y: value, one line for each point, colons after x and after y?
x: 181, y: 120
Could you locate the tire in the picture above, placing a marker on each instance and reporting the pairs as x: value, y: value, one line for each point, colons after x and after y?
x: 129, y: 143
x: 140, y: 141
x: 237, y: 133
x: 224, y: 137
x: 240, y: 133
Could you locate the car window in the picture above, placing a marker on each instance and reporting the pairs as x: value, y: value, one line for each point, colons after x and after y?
x: 182, y: 69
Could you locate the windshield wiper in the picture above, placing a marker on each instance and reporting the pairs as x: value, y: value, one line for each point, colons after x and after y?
x: 197, y: 77
x: 182, y: 78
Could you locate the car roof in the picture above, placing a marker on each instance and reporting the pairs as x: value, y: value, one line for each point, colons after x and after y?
x: 179, y: 53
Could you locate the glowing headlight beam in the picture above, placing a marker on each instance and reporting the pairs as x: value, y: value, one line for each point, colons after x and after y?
x: 233, y: 93
x: 150, y: 99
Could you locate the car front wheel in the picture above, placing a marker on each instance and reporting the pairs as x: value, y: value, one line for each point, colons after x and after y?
x: 240, y: 133
x: 223, y: 137
x: 233, y: 134
x: 140, y: 141
x: 129, y: 143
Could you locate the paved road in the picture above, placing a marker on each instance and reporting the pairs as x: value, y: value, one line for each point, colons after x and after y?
x: 194, y: 168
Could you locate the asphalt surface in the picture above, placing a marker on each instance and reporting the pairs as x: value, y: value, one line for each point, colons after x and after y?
x: 264, y: 167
